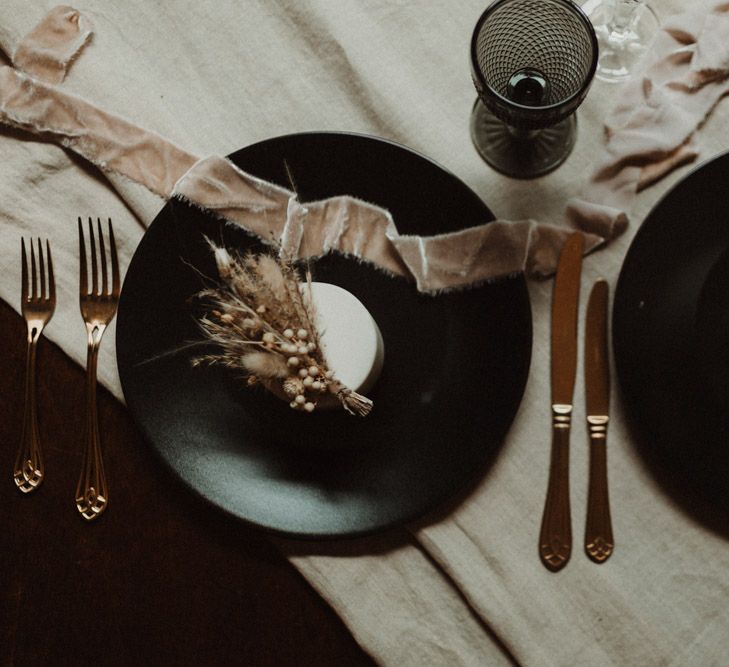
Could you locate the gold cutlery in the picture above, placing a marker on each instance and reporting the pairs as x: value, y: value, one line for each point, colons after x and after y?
x: 98, y: 307
x: 555, y: 538
x: 37, y: 308
x: 599, y: 541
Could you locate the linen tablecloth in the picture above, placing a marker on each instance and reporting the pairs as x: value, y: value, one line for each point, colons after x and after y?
x: 465, y: 587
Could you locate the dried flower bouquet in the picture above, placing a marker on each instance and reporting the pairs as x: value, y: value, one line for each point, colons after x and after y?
x: 262, y: 320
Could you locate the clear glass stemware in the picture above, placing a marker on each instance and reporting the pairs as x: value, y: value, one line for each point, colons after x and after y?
x: 625, y: 30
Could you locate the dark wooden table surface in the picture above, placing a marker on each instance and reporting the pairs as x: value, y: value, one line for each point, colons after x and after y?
x: 160, y: 577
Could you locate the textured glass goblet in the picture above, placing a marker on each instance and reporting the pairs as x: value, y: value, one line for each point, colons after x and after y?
x: 532, y: 62
x: 625, y: 29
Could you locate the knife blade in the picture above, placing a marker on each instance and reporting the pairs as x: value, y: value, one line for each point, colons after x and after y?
x: 555, y: 538
x: 599, y: 542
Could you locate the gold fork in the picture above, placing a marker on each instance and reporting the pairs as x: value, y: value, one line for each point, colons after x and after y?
x: 37, y: 308
x: 98, y: 308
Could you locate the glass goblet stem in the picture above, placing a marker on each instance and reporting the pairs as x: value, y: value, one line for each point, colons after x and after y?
x: 625, y: 30
x: 623, y: 14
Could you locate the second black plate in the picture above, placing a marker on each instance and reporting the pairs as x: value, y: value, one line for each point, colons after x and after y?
x: 671, y: 336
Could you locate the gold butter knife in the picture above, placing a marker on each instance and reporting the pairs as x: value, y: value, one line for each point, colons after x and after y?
x: 555, y: 538
x: 599, y: 541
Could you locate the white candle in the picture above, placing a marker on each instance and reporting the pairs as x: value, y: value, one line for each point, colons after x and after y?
x: 350, y: 338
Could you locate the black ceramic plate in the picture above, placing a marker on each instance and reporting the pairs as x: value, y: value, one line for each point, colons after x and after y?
x: 455, y: 365
x: 671, y: 335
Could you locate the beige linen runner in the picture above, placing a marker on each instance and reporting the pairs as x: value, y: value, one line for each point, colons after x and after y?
x: 467, y: 588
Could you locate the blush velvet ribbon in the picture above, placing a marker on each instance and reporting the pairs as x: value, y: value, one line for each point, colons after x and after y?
x: 649, y: 133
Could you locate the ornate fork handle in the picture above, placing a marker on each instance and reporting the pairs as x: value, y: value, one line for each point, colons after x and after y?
x: 92, y: 494
x: 28, y: 470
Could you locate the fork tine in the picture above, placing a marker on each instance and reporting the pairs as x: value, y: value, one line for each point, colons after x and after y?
x: 33, y: 276
x: 102, y: 252
x: 115, y: 286
x: 23, y: 272
x: 51, y: 281
x: 42, y: 267
x: 94, y: 263
x: 83, y: 282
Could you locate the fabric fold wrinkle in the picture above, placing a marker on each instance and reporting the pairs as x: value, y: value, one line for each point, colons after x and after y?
x: 48, y: 50
x: 651, y: 130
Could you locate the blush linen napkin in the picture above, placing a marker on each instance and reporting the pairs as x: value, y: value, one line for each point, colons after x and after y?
x: 466, y: 588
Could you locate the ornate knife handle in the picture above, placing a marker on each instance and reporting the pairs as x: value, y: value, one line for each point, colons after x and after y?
x: 555, y: 538
x: 599, y: 542
x: 92, y: 495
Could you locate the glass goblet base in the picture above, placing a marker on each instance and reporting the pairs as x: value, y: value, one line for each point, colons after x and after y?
x: 621, y: 49
x: 521, y: 154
